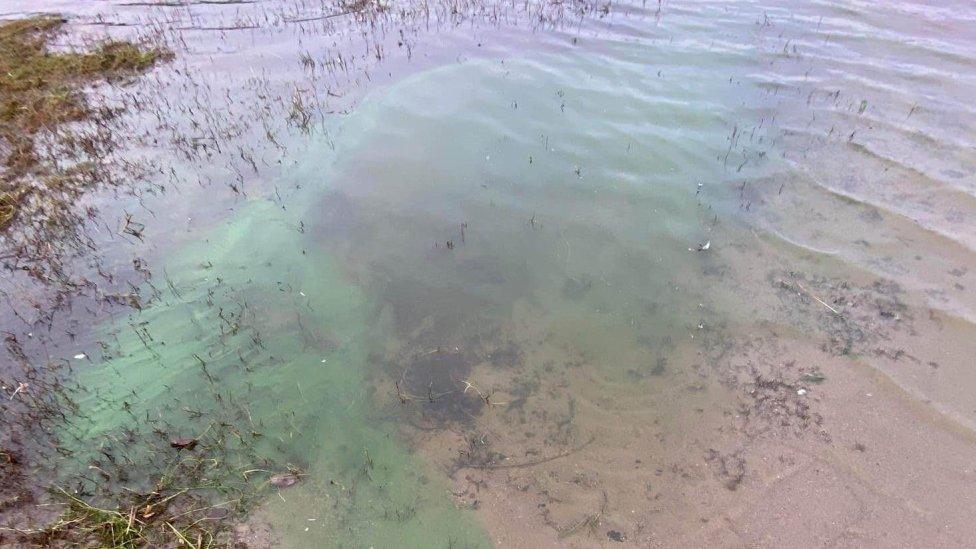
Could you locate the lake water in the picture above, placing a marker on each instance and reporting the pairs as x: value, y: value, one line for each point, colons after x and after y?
x: 519, y: 268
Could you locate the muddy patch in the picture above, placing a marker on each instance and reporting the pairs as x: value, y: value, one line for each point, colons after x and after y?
x: 436, y: 381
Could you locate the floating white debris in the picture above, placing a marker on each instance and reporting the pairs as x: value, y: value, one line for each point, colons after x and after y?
x: 302, y: 293
x: 81, y: 356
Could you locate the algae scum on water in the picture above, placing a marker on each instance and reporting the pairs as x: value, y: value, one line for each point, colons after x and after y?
x: 394, y: 257
x: 274, y: 346
x: 255, y: 357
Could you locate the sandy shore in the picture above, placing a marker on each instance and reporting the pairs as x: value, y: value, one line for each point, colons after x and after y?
x: 837, y: 418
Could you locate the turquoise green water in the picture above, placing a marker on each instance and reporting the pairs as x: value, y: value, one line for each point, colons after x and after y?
x: 276, y: 320
x: 283, y: 335
x: 562, y: 177
x: 550, y: 224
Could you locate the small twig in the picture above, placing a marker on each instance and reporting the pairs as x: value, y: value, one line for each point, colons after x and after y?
x: 537, y: 461
x: 822, y: 302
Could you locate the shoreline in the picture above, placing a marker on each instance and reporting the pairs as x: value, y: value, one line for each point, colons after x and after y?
x: 561, y: 370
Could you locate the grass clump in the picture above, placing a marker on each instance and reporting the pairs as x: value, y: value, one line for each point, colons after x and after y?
x: 149, y: 522
x: 41, y: 90
x: 164, y: 493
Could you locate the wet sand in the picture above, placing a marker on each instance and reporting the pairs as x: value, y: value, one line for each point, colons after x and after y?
x: 782, y: 438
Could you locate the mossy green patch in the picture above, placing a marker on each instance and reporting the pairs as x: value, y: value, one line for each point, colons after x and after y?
x: 41, y: 89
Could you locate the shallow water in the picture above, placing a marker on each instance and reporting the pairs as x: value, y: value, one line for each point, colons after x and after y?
x: 522, y: 242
